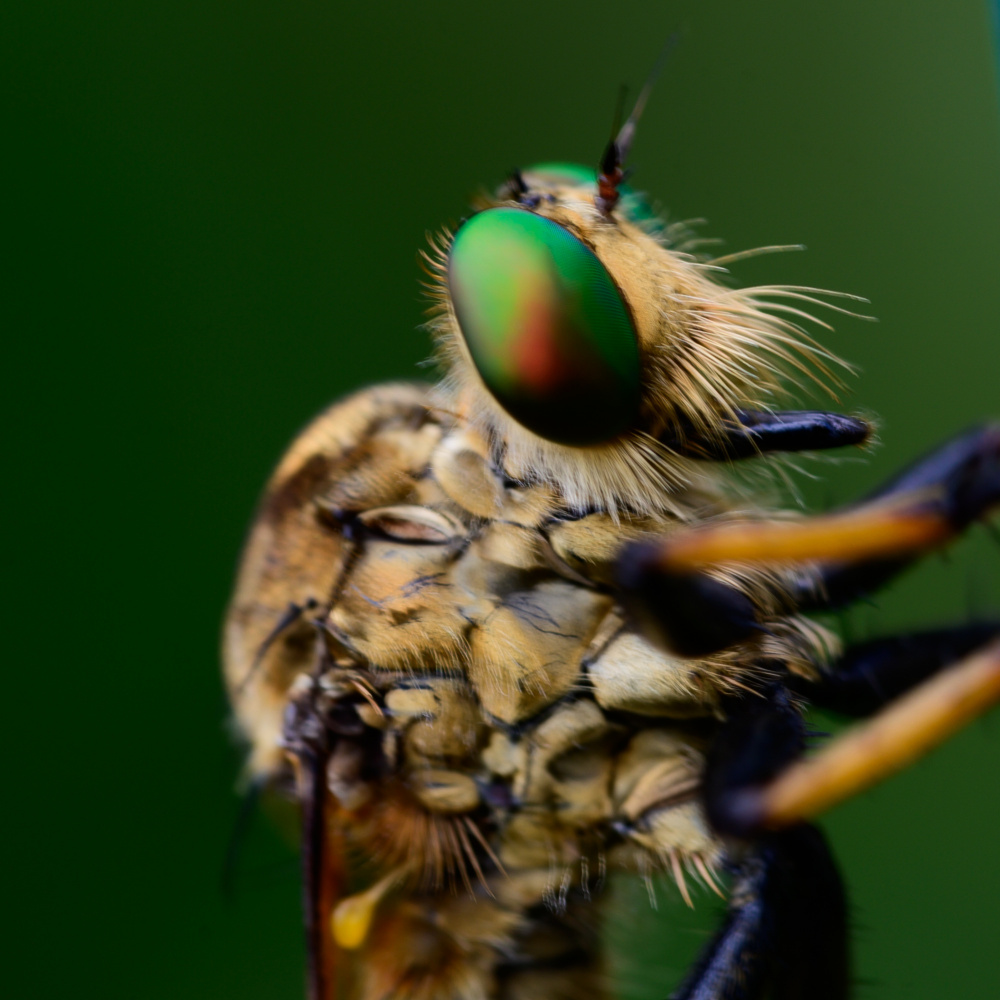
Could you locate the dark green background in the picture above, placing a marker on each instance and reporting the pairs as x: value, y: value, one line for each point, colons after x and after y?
x: 216, y: 210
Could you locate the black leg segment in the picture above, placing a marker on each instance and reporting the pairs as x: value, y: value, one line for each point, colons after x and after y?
x: 691, y: 614
x: 785, y: 936
x: 871, y: 674
x: 959, y: 481
x: 756, y: 432
x: 761, y: 736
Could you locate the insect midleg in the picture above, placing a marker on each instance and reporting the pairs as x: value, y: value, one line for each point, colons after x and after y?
x: 869, y: 675
x: 910, y: 727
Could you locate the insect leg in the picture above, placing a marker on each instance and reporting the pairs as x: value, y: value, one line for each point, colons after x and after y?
x: 249, y: 804
x: 957, y: 483
x: 785, y: 934
x: 844, y: 555
x: 308, y: 745
x: 871, y: 674
x: 909, y: 728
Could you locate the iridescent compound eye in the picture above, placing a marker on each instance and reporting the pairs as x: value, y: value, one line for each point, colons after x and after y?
x: 546, y: 327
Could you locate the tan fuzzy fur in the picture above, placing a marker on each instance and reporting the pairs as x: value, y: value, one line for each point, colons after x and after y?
x: 706, y: 350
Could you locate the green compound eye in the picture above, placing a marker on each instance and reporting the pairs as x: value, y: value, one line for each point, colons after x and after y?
x: 546, y: 327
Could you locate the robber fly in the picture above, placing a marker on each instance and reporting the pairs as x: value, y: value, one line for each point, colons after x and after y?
x: 505, y: 634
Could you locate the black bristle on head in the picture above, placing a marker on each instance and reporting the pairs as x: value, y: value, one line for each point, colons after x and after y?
x: 611, y: 173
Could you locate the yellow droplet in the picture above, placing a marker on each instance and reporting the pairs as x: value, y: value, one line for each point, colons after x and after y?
x: 352, y: 918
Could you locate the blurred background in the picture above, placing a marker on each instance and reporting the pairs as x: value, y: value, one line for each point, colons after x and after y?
x: 215, y: 211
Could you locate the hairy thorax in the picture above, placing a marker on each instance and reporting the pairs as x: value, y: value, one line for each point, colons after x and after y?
x: 500, y: 736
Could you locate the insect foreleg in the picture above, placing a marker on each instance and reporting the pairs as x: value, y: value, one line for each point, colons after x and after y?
x: 844, y: 555
x: 690, y: 614
x: 956, y: 484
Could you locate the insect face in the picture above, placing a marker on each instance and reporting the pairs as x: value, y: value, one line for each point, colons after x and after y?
x: 580, y: 342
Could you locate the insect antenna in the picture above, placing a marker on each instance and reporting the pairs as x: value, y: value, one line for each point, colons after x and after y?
x: 611, y: 173
x: 288, y: 618
x: 249, y: 804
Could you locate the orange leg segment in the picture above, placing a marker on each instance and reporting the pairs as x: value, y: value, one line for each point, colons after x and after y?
x: 909, y: 728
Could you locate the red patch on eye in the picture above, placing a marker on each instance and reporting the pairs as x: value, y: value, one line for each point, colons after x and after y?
x: 539, y: 363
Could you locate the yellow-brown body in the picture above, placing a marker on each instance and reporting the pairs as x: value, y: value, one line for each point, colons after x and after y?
x: 514, y: 737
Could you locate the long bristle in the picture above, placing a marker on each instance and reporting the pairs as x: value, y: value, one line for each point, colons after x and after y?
x: 434, y: 848
x: 720, y: 349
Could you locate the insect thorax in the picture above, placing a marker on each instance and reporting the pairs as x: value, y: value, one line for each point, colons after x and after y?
x: 499, y: 735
